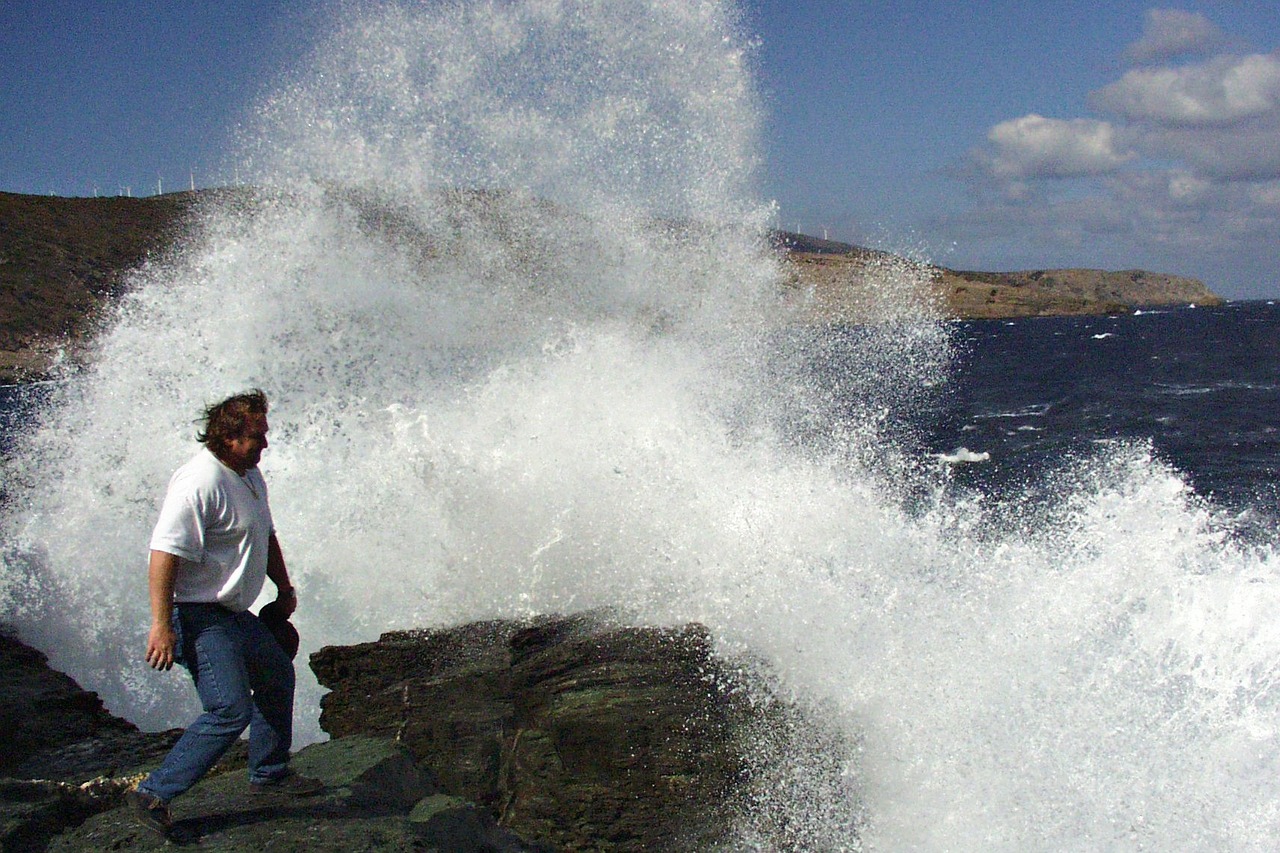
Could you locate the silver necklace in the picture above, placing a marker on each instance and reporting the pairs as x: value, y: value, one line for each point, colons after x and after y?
x: 244, y: 478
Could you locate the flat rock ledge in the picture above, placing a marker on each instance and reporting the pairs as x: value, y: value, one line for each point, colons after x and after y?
x: 552, y: 733
x: 377, y: 798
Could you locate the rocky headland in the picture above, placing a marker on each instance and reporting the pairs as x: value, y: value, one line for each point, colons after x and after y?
x: 64, y: 261
x: 842, y: 283
x: 551, y: 733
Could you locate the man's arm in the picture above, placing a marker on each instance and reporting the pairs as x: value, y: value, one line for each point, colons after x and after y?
x: 161, y: 641
x: 279, y: 575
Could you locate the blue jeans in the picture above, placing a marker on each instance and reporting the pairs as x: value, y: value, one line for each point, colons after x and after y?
x: 245, y: 680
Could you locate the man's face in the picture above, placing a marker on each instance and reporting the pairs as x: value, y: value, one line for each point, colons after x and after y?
x: 244, y: 451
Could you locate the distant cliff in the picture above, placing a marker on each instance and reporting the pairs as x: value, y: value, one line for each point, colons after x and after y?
x: 842, y: 282
x: 64, y: 260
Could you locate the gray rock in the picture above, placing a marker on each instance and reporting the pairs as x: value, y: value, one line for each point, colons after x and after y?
x: 376, y: 799
x: 581, y: 733
x: 61, y: 739
x: 376, y: 775
x: 33, y: 811
x: 50, y: 728
x: 63, y: 757
x: 457, y: 826
x: 577, y: 732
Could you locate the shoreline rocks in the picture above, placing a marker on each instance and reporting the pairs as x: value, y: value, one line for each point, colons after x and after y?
x: 376, y: 798
x: 551, y: 733
x: 578, y: 732
x: 63, y: 757
x: 52, y: 729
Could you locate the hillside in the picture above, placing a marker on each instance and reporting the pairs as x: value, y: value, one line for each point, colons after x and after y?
x: 63, y: 260
x: 843, y: 282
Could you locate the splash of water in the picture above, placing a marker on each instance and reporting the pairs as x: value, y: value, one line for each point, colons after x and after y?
x: 508, y: 287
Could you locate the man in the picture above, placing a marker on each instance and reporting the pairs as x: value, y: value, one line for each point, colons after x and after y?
x: 211, y: 550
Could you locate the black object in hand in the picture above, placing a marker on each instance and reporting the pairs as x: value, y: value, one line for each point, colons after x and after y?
x: 273, y: 616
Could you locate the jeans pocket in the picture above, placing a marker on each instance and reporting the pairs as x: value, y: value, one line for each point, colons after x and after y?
x: 176, y: 621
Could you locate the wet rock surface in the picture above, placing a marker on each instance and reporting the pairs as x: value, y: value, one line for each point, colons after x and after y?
x: 543, y: 734
x: 50, y: 728
x: 63, y: 757
x: 376, y: 798
x: 583, y: 734
x: 74, y: 763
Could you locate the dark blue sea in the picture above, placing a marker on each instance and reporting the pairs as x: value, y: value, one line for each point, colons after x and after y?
x: 1201, y: 385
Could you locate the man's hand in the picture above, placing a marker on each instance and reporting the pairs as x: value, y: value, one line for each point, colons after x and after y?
x: 287, y: 598
x: 161, y: 642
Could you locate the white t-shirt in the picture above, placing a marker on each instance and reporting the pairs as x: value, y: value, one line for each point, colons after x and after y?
x: 218, y: 524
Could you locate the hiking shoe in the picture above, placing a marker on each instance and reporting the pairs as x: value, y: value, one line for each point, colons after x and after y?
x: 291, y: 784
x: 153, y: 813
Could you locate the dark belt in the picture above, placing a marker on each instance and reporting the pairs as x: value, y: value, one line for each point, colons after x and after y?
x: 196, y: 605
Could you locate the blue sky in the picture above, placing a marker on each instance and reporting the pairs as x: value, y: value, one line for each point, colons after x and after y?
x: 1002, y: 135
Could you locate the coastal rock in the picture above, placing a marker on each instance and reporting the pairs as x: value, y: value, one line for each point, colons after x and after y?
x: 52, y: 729
x: 376, y: 799
x: 33, y: 811
x: 544, y: 734
x: 562, y: 729
x: 583, y: 734
x: 63, y: 756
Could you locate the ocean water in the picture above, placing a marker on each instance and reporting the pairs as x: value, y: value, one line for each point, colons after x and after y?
x: 1199, y: 386
x: 509, y: 287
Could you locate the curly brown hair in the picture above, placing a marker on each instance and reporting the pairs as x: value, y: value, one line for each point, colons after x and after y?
x: 227, y: 420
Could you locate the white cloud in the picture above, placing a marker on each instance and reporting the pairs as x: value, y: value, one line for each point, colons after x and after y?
x: 1173, y: 33
x: 1037, y: 147
x: 1266, y: 194
x: 1216, y: 153
x: 1178, y: 171
x: 1185, y: 187
x: 1222, y: 91
x: 1175, y: 208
